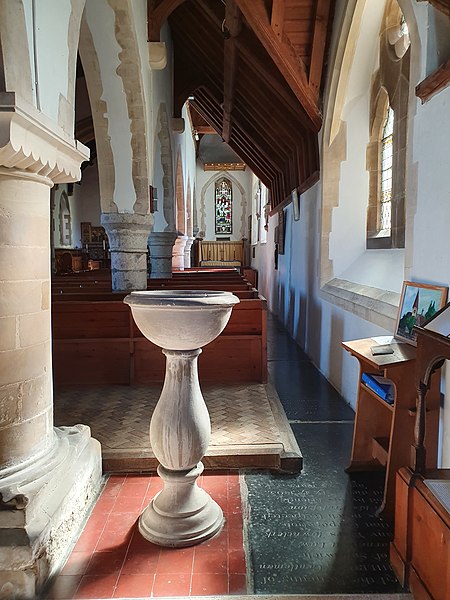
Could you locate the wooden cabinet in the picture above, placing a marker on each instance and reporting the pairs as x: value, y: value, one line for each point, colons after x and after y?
x: 384, y: 433
x: 420, y: 552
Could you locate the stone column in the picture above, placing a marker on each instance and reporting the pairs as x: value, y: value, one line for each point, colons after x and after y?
x: 178, y: 253
x: 187, y: 252
x: 161, y: 246
x: 48, y: 476
x: 25, y: 337
x: 128, y: 235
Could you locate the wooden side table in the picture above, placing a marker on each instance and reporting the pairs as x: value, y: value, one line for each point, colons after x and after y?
x: 384, y: 433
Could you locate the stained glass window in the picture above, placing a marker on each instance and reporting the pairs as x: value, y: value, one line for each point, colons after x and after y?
x: 223, y: 197
x: 386, y: 173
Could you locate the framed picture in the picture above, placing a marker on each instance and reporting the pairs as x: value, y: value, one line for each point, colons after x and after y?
x: 281, y: 232
x: 418, y: 303
x: 295, y: 204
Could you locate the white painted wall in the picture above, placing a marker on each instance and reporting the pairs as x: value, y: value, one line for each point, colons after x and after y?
x: 292, y: 291
x: 47, y: 32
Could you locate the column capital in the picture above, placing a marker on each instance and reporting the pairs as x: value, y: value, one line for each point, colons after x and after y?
x: 31, y: 142
x: 127, y: 232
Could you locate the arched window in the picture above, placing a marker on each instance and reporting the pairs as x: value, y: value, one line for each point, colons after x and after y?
x: 385, y: 204
x: 386, y: 151
x: 65, y: 225
x: 223, y: 206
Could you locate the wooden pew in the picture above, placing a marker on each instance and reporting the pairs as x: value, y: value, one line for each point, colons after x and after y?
x: 95, y: 340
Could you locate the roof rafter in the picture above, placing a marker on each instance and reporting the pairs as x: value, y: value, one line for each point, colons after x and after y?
x: 157, y: 14
x: 232, y: 27
x: 318, y: 46
x: 290, y: 65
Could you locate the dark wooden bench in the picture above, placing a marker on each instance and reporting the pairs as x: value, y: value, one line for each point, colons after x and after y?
x: 95, y: 340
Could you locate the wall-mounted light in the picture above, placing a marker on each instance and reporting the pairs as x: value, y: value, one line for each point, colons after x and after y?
x: 196, y: 136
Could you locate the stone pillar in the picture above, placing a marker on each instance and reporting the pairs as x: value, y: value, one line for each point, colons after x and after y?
x: 25, y: 334
x: 128, y: 235
x: 178, y: 253
x: 48, y: 476
x: 187, y: 252
x: 161, y: 246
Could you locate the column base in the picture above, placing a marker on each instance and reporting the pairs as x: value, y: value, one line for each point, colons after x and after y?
x: 182, y: 514
x: 42, y: 508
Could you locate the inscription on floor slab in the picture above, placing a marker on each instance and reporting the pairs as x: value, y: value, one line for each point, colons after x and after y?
x: 317, y: 532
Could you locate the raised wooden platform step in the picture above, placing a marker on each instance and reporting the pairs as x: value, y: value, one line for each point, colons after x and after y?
x: 249, y: 426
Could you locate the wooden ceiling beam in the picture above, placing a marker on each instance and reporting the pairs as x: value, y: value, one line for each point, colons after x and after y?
x: 434, y: 83
x: 442, y: 5
x: 277, y: 18
x: 318, y: 46
x: 229, y: 78
x: 231, y: 28
x: 251, y: 157
x: 157, y: 14
x: 246, y: 48
x: 205, y: 129
x: 261, y: 174
x: 208, y: 106
x: 290, y: 65
x: 268, y: 142
x: 261, y: 70
x: 285, y: 122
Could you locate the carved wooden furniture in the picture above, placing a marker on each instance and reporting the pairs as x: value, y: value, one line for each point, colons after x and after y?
x: 384, y: 433
x: 420, y: 552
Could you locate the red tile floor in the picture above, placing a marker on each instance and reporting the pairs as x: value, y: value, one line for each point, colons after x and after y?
x: 112, y: 560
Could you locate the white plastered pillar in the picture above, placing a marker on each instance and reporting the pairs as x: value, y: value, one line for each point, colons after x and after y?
x: 187, y: 252
x: 178, y: 253
x: 48, y: 476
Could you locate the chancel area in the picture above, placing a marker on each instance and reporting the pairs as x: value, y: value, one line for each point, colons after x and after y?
x: 223, y: 287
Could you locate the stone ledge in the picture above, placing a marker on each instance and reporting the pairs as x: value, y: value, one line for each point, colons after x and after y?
x: 372, y: 304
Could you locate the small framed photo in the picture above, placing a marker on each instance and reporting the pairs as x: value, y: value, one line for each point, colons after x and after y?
x: 295, y: 204
x: 418, y: 303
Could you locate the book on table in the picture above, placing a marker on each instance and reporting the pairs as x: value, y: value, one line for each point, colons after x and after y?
x: 383, y: 387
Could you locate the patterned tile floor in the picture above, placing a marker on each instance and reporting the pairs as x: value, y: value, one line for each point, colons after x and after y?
x: 246, y: 421
x: 314, y: 532
x: 112, y: 560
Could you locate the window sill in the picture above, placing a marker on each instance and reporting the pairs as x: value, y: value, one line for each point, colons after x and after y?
x: 372, y: 304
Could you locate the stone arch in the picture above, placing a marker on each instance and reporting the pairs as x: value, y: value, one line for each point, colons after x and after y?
x: 99, y: 110
x: 167, y: 166
x: 380, y: 102
x: 179, y: 197
x: 365, y: 301
x: 65, y: 221
x: 129, y: 72
x: 244, y: 202
x: 66, y: 108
